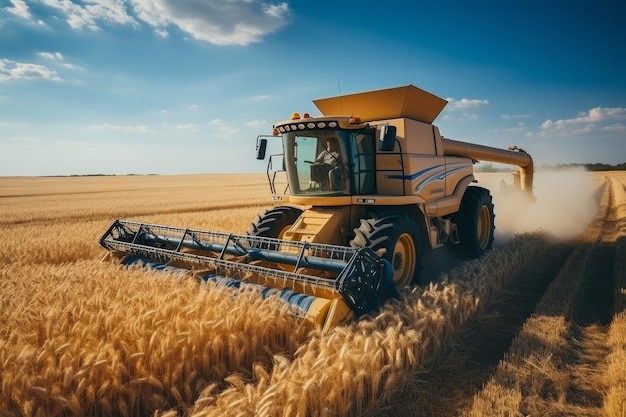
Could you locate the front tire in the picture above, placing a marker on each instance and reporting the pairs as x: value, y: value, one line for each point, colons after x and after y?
x: 394, y: 236
x: 475, y: 222
x: 274, y: 222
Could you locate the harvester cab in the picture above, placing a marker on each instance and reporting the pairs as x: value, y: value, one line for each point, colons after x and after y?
x: 361, y: 192
x: 327, y: 160
x: 354, y: 164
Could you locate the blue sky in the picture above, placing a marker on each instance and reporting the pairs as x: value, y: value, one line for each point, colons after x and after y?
x: 185, y: 86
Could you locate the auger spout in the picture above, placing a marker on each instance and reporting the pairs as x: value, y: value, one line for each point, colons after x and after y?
x: 511, y: 156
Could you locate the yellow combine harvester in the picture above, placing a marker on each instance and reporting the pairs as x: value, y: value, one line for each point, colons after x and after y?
x: 368, y: 186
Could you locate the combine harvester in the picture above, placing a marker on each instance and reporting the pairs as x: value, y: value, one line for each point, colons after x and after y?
x: 364, y: 196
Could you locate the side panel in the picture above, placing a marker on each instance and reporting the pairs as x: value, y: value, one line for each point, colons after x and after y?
x: 451, y: 203
x: 456, y: 170
x: 390, y: 173
x: 405, y: 169
x: 428, y: 180
x: 420, y: 138
x: 417, y: 165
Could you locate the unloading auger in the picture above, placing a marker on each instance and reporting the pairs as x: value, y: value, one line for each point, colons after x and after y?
x: 325, y: 283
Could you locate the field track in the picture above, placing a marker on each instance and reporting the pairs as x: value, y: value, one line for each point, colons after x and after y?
x: 536, y: 327
x: 492, y: 360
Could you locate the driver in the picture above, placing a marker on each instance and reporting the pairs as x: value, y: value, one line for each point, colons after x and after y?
x: 330, y: 155
x: 330, y: 158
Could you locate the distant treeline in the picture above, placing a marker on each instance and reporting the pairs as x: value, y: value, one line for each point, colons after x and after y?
x: 545, y: 167
x: 596, y: 167
x: 96, y: 175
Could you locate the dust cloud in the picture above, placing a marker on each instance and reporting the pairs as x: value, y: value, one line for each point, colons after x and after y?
x: 567, y: 202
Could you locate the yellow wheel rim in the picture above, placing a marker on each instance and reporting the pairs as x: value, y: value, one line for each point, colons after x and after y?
x: 282, y: 231
x: 403, y: 260
x: 484, y: 227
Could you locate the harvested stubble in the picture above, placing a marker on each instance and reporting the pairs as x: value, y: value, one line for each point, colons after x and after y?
x: 353, y: 368
x: 556, y: 366
x: 127, y: 342
x: 615, y: 398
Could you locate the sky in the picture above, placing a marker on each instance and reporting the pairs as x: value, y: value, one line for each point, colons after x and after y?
x: 185, y: 86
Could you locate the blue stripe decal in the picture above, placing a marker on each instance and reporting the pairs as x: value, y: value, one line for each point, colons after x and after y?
x: 438, y: 177
x: 413, y: 176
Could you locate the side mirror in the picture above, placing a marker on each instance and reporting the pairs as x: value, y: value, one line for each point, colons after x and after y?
x: 387, y: 138
x: 261, y: 147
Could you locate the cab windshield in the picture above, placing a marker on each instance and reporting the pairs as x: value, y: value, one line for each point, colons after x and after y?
x: 329, y: 162
x: 316, y: 163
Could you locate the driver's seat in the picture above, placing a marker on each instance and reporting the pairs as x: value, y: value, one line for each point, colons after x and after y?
x: 319, y: 175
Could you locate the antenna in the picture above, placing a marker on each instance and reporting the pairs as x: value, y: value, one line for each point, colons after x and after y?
x: 340, y: 100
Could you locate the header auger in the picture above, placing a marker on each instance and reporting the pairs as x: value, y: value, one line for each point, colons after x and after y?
x: 332, y: 283
x: 365, y: 196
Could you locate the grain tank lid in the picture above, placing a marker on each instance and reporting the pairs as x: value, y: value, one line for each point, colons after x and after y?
x: 400, y: 102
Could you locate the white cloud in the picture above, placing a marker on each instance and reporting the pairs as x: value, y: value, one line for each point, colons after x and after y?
x: 12, y: 124
x: 59, y: 59
x: 55, y: 56
x: 162, y: 33
x: 514, y: 116
x: 71, y: 66
x: 232, y: 22
x: 216, y: 122
x: 257, y: 123
x: 189, y: 127
x: 597, y: 114
x: 223, y: 128
x: 277, y: 10
x: 19, y: 9
x: 465, y: 104
x: 261, y: 97
x: 616, y: 127
x: 87, y: 16
x: 121, y: 128
x: 13, y: 70
x: 519, y: 128
x: 586, y: 122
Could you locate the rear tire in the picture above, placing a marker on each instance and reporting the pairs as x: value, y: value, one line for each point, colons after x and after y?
x: 274, y: 222
x: 475, y: 222
x: 394, y: 236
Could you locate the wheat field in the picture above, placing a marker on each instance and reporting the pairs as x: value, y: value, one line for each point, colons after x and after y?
x: 81, y: 337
